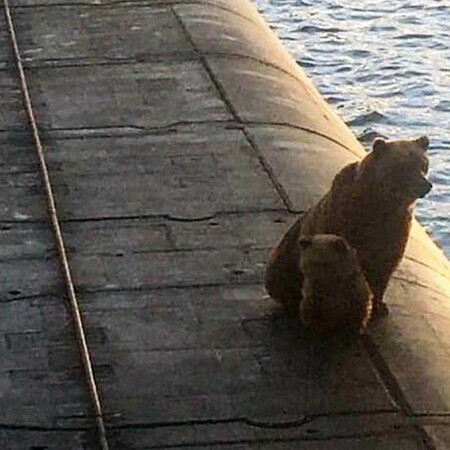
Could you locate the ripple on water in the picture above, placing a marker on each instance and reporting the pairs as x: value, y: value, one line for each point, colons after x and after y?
x: 364, y: 119
x: 412, y: 36
x: 318, y: 29
x: 443, y: 105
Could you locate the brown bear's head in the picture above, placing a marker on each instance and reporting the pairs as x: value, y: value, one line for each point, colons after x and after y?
x: 326, y: 255
x: 397, y: 170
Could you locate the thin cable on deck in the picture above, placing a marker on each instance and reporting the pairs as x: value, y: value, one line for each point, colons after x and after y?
x: 81, y: 337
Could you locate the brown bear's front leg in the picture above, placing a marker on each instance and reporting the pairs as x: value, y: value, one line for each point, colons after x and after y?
x: 380, y: 262
x: 378, y: 283
x: 379, y: 308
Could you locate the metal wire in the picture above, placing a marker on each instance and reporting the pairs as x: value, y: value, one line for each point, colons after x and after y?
x: 81, y: 337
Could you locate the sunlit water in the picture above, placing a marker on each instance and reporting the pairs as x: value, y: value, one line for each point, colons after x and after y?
x: 385, y: 66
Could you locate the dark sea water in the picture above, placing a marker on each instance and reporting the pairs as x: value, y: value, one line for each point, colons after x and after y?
x: 385, y: 67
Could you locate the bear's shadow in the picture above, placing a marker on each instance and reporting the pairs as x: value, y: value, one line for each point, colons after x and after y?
x: 291, y: 352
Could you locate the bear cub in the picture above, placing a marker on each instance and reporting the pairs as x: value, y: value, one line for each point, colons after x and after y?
x: 335, y: 293
x: 370, y: 205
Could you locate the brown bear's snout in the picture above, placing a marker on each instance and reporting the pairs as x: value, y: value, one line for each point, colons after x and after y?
x: 424, y: 187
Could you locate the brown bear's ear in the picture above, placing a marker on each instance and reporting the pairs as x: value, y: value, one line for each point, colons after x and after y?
x: 305, y: 242
x: 379, y: 145
x: 423, y: 142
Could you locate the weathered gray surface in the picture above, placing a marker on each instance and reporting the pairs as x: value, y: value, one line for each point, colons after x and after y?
x: 133, y: 32
x: 12, y: 115
x: 177, y: 134
x: 131, y: 171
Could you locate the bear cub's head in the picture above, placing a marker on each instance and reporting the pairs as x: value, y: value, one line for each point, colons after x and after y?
x: 398, y: 168
x: 326, y: 255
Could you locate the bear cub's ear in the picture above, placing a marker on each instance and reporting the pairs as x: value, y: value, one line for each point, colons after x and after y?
x: 379, y: 145
x: 305, y: 242
x: 340, y: 246
x: 423, y: 142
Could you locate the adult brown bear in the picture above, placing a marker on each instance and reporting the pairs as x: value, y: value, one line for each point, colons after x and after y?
x: 369, y: 204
